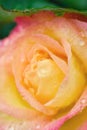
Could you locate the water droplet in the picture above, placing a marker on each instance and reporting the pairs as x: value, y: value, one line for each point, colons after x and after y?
x: 83, y: 101
x: 21, y: 123
x: 82, y: 43
x: 22, y: 59
x: 38, y: 127
x: 83, y: 104
x: 26, y: 10
x: 0, y: 43
x: 6, y: 42
x: 84, y: 33
x: 10, y: 58
x: 11, y: 128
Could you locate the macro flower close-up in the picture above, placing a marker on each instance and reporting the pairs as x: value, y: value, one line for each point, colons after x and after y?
x: 43, y: 73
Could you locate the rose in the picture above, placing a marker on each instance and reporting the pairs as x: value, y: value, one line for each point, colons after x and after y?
x: 43, y: 72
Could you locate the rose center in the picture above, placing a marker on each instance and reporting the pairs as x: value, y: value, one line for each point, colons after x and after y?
x: 43, y: 78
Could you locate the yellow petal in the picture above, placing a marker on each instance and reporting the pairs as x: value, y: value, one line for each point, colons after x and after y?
x: 50, y: 77
x: 72, y: 86
x: 8, y: 90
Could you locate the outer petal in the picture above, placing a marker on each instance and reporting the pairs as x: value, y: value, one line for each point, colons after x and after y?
x: 39, y: 17
x: 24, y: 92
x: 83, y: 127
x: 10, y: 123
x: 79, y: 106
x: 10, y: 100
x: 72, y: 34
x: 23, y: 23
x: 62, y: 25
x: 75, y: 74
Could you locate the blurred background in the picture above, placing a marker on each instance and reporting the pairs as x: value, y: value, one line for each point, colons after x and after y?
x: 28, y: 4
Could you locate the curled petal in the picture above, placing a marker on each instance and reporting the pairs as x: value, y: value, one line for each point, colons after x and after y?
x: 79, y: 106
x: 26, y: 94
x: 10, y: 100
x: 71, y: 32
x: 10, y: 123
x: 35, y: 18
x: 83, y: 126
x: 55, y: 40
x: 62, y: 99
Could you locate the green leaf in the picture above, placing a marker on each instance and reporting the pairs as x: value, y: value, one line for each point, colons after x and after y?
x: 7, y: 16
x: 75, y: 4
x: 25, y: 4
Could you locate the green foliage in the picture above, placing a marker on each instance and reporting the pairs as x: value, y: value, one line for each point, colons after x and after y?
x: 8, y: 17
x: 75, y: 4
x: 4, y: 30
x: 14, y: 8
x: 25, y: 4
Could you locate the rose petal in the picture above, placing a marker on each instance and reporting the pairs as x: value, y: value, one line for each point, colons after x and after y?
x: 63, y: 28
x: 76, y: 16
x: 24, y: 22
x: 10, y: 123
x: 71, y: 33
x: 37, y: 105
x: 83, y: 126
x: 35, y: 18
x: 62, y: 99
x: 19, y: 71
x: 10, y: 100
x: 79, y: 106
x: 26, y: 94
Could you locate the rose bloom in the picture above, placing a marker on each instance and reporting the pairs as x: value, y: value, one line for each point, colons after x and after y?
x: 43, y: 73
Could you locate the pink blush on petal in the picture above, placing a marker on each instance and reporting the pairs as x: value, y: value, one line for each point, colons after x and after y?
x: 83, y: 127
x: 79, y: 106
x: 14, y: 124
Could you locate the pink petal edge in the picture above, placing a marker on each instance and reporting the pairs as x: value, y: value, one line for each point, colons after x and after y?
x: 83, y: 126
x: 79, y: 106
x: 15, y: 124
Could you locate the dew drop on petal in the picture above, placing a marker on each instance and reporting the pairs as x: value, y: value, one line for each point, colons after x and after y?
x: 83, y: 103
x: 10, y: 58
x: 83, y: 35
x: 11, y: 128
x: 82, y: 43
x: 0, y: 43
x: 22, y: 59
x: 6, y: 42
x: 38, y: 127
